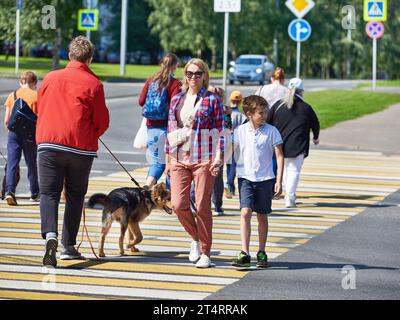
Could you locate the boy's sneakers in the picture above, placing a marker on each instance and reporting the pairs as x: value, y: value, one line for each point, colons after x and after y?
x: 204, y: 262
x: 194, y: 254
x: 70, y: 253
x: 242, y: 261
x: 11, y: 200
x: 49, y: 258
x: 262, y: 260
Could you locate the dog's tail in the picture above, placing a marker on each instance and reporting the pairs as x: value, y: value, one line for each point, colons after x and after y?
x: 100, y: 198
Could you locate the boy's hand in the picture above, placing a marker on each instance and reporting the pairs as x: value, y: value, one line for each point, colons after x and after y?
x: 278, y: 189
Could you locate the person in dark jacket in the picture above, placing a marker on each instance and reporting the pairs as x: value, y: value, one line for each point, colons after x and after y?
x: 294, y: 119
x: 72, y: 115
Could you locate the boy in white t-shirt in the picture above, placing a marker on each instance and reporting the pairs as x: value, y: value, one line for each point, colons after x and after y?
x: 257, y: 141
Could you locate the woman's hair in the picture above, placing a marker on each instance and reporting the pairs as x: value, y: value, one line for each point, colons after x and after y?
x: 28, y: 77
x: 167, y: 65
x: 203, y: 67
x: 289, y: 97
x: 278, y: 74
x: 253, y: 102
x: 81, y: 49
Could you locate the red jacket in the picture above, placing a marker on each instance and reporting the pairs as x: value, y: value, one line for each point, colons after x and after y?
x: 173, y: 89
x: 72, y: 113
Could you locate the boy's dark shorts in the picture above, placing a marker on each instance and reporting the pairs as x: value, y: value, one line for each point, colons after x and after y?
x: 256, y: 195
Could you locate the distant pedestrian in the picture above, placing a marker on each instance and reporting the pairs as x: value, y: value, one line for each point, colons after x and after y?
x: 237, y: 118
x: 276, y: 90
x: 294, y: 118
x: 155, y: 98
x: 194, y: 159
x: 257, y: 142
x: 16, y: 144
x: 72, y: 115
x: 218, y: 192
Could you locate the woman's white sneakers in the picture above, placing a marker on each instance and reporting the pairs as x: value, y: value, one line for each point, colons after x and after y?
x: 194, y: 254
x: 204, y: 262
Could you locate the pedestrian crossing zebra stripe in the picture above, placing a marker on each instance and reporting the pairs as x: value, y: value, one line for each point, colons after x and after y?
x: 328, y: 194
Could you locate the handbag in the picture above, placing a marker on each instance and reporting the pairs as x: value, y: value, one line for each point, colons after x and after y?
x: 140, y: 141
x: 22, y: 120
x: 182, y: 135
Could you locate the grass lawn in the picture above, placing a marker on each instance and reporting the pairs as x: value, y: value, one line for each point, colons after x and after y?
x: 336, y: 106
x: 381, y: 83
x: 104, y: 70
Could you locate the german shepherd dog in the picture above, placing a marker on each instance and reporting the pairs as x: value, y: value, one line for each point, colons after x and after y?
x: 17, y: 177
x: 129, y: 206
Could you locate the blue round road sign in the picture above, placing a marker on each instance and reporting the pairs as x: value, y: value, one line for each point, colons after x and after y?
x: 299, y: 30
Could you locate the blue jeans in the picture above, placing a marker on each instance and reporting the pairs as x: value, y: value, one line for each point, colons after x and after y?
x: 15, y: 147
x: 231, y: 174
x: 156, y: 149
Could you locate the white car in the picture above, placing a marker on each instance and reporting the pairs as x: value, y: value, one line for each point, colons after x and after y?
x: 250, y: 68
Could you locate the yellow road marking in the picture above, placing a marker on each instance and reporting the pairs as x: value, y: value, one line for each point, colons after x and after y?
x: 130, y: 266
x: 111, y: 282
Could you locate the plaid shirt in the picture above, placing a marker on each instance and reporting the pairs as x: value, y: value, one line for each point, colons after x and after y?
x: 208, y: 122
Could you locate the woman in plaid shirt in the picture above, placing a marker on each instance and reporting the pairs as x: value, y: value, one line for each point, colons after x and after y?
x: 197, y: 160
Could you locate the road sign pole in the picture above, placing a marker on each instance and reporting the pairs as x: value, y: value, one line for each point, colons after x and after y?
x: 17, y: 26
x: 124, y: 26
x: 298, y: 59
x: 374, y: 49
x: 226, y: 40
x: 89, y: 6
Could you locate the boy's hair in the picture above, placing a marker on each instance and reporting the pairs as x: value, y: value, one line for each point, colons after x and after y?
x: 81, y: 49
x: 28, y: 77
x: 253, y: 102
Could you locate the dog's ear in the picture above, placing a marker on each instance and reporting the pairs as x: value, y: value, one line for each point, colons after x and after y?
x: 146, y: 188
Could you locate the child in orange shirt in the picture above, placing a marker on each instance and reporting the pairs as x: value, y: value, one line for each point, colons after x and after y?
x: 16, y: 144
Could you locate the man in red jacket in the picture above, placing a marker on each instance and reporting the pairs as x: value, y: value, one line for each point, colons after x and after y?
x: 72, y: 115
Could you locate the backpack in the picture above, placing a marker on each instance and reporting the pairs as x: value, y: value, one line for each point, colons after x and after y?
x: 156, y: 106
x: 22, y: 120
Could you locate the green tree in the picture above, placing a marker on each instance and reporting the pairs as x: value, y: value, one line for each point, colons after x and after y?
x: 31, y: 31
x: 140, y: 37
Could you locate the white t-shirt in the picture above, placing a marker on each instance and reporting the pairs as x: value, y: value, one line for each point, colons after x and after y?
x: 256, y: 150
x: 272, y: 93
x: 187, y: 109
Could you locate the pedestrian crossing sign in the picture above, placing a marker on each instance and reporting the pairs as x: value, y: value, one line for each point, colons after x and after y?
x: 375, y: 10
x: 88, y: 20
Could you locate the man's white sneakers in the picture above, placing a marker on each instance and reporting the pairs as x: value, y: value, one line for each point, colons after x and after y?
x: 204, y: 262
x: 194, y: 254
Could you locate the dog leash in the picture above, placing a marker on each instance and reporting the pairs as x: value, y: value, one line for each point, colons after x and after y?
x: 3, y: 156
x: 87, y: 233
x: 132, y: 179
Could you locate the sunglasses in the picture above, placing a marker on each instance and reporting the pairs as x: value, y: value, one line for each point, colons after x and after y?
x: 197, y: 74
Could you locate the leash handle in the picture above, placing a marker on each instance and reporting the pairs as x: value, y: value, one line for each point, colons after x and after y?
x: 132, y: 179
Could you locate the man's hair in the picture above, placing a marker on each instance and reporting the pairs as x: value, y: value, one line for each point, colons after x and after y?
x: 253, y: 102
x: 81, y: 49
x: 28, y: 77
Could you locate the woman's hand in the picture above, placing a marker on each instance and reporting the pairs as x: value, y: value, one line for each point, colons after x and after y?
x: 215, y: 167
